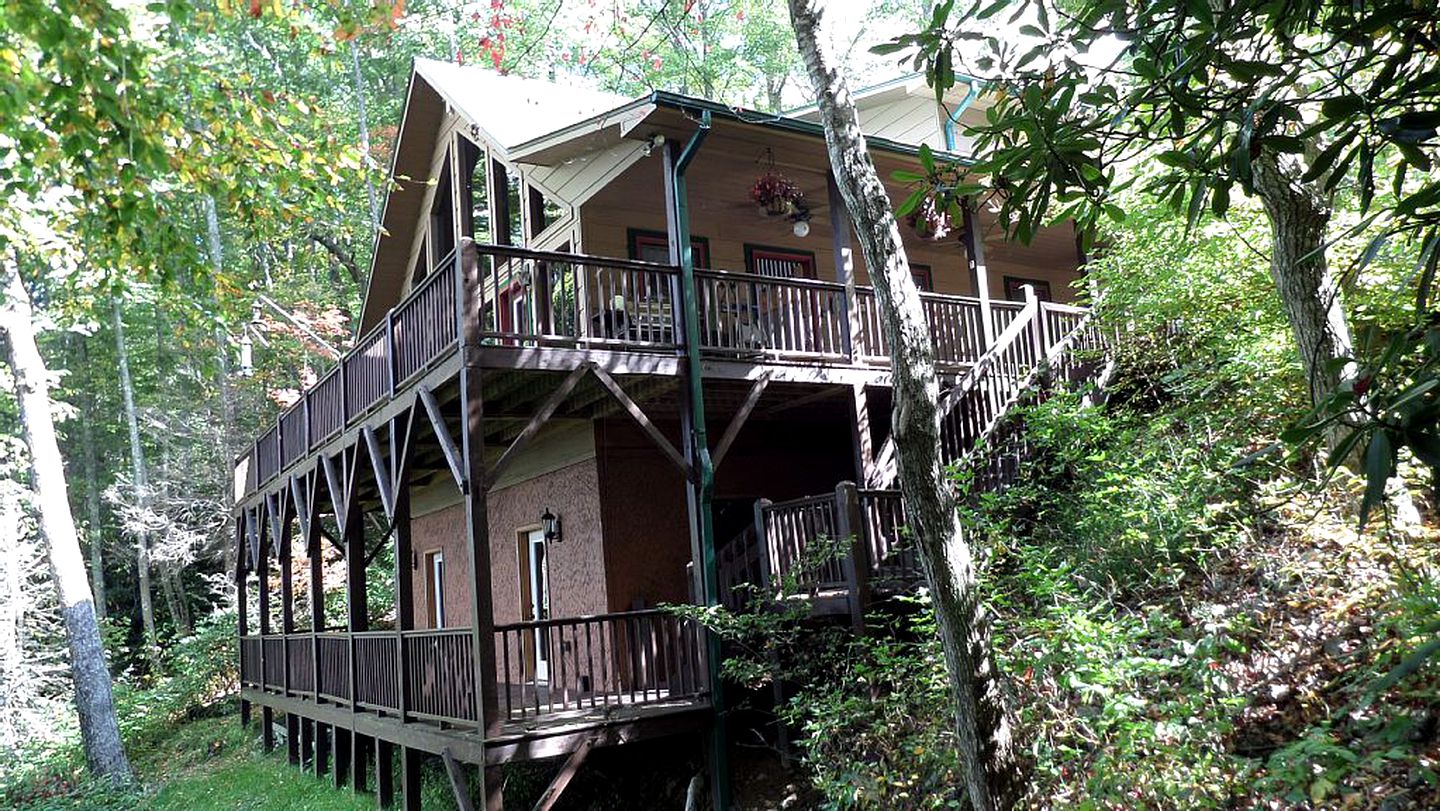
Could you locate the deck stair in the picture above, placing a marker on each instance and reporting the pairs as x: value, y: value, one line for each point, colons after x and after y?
x: 787, y: 553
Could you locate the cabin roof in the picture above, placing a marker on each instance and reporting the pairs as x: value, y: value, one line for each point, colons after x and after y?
x: 513, y: 109
x: 532, y: 121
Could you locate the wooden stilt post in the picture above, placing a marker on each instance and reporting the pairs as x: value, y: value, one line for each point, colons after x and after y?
x: 361, y: 753
x: 845, y: 269
x: 974, y: 240
x: 851, y: 529
x: 262, y: 571
x: 242, y: 606
x: 341, y: 770
x: 322, y: 749
x: 404, y: 549
x: 292, y: 738
x: 410, y: 760
x: 477, y: 524
x: 384, y: 773
x: 307, y: 743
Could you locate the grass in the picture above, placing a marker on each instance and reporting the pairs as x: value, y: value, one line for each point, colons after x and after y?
x: 214, y: 764
x: 207, y: 764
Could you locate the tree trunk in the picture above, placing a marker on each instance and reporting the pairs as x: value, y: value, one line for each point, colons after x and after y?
x: 366, y: 157
x: 983, y: 722
x: 93, y: 535
x: 1299, y: 214
x: 141, y: 490
x: 94, y: 702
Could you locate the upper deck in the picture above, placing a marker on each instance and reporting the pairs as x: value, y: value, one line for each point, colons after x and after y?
x: 545, y: 310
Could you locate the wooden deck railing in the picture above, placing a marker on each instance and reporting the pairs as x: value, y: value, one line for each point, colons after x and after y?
x: 624, y: 659
x: 846, y: 540
x: 793, y: 556
x: 545, y: 299
x: 413, y: 335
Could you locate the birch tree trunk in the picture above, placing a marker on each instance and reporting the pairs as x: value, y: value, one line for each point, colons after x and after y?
x: 222, y: 340
x: 365, y: 155
x: 94, y: 701
x: 983, y: 722
x: 141, y: 489
x: 1299, y: 214
x: 94, y: 536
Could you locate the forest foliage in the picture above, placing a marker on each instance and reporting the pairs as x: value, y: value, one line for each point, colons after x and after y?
x: 1186, y: 610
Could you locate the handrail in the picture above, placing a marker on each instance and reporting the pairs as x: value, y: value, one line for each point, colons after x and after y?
x: 512, y: 252
x: 553, y: 621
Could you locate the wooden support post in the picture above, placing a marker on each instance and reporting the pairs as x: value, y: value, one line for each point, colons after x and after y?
x: 850, y: 526
x: 845, y: 269
x: 292, y: 738
x: 287, y: 589
x: 562, y: 779
x: 741, y: 415
x: 341, y: 769
x: 477, y: 524
x: 307, y: 743
x: 267, y: 728
x: 537, y: 421
x: 384, y: 773
x: 242, y: 605
x: 356, y: 601
x: 456, y: 773
x: 861, y: 439
x: 1037, y: 335
x: 762, y: 546
x: 410, y: 774
x: 361, y: 753
x: 973, y: 237
x: 404, y: 549
x: 322, y: 749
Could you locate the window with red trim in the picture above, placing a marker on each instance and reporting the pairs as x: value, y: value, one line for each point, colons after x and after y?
x: 923, y: 278
x: 779, y: 263
x: 1013, y: 291
x: 654, y: 246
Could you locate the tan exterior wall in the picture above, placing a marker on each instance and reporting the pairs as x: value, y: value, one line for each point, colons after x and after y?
x: 719, y: 185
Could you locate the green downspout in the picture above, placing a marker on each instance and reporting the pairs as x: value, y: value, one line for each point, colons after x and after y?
x: 709, y: 574
x: 951, y: 119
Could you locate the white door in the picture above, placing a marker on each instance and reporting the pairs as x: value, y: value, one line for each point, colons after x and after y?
x: 538, y: 579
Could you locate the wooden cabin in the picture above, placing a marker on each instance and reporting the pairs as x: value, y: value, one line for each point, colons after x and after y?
x: 594, y: 378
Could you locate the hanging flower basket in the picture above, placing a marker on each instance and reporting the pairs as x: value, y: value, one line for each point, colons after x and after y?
x: 776, y: 195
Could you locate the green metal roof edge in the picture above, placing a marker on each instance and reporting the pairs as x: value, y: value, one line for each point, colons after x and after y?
x: 678, y: 101
x: 784, y: 122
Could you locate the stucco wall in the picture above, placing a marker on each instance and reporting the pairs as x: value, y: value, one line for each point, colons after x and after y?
x: 576, y: 569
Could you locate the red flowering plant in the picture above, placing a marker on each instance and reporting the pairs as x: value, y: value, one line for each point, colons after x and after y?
x: 777, y: 195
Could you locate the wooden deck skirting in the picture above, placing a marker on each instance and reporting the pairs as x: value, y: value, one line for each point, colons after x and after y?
x: 547, y: 310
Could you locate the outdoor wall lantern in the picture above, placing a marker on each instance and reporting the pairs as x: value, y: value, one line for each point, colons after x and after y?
x: 550, y: 525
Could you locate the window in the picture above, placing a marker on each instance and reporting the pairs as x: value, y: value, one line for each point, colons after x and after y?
x: 654, y: 246
x: 422, y: 266
x: 1014, y: 292
x: 435, y: 588
x: 513, y: 212
x: 923, y: 278
x: 543, y: 211
x: 779, y: 262
x: 476, y: 171
x: 442, y: 220
x: 514, y: 309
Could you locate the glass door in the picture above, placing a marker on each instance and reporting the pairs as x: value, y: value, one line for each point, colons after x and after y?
x: 537, y: 580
